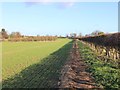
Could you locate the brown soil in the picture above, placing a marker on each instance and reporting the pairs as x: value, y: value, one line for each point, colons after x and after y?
x: 74, y: 74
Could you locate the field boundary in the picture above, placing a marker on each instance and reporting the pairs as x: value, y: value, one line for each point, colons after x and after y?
x: 74, y: 74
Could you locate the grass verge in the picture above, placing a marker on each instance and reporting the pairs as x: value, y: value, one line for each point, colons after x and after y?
x: 106, y: 74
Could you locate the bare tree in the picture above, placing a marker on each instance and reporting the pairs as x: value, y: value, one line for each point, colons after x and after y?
x: 15, y: 35
x: 97, y: 32
x: 73, y: 35
x: 80, y: 35
x: 4, y: 34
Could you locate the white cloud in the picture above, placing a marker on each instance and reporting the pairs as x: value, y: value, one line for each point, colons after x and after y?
x: 68, y: 4
x: 33, y: 2
x: 39, y: 1
x: 46, y: 2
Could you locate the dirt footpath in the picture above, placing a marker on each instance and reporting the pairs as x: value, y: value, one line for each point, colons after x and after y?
x: 74, y: 74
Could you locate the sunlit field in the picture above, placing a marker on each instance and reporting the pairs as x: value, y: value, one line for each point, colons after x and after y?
x: 19, y: 55
x: 70, y: 44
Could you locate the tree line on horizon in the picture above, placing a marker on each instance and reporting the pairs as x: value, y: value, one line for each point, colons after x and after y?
x: 16, y: 36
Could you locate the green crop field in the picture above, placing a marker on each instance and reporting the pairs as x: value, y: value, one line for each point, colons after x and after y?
x: 23, y: 61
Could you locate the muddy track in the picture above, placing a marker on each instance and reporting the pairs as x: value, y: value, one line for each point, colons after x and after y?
x: 74, y: 74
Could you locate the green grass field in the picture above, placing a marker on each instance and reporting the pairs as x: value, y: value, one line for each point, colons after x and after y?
x: 21, y: 56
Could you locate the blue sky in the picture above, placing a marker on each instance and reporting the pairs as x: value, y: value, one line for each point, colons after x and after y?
x: 59, y: 18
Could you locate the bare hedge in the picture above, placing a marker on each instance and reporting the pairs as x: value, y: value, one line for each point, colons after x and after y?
x: 34, y: 38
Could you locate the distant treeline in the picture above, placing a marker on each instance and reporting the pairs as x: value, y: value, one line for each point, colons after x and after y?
x: 34, y: 38
x: 16, y: 36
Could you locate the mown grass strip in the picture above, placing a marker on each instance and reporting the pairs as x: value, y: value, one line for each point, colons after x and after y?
x: 104, y: 73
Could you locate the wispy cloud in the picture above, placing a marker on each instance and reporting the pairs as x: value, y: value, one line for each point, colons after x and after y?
x: 64, y: 4
x: 68, y: 4
x: 33, y: 2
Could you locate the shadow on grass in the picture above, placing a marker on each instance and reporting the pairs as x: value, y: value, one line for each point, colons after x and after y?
x: 0, y: 85
x: 44, y: 74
